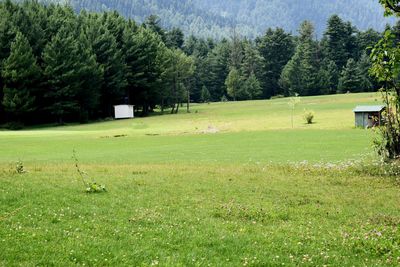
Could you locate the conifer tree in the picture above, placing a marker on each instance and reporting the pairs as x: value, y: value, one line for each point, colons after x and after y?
x: 60, y: 58
x: 300, y: 74
x: 363, y: 66
x: 340, y: 41
x: 252, y: 87
x: 277, y: 48
x: 90, y: 74
x: 328, y: 77
x: 234, y: 84
x: 21, y: 74
x: 350, y: 80
x: 111, y: 60
x: 143, y: 54
x: 205, y: 95
x: 174, y: 38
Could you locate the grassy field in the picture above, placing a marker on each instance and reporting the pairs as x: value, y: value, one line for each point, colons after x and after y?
x: 230, y: 184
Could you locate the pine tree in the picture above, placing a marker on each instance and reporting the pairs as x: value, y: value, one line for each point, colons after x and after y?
x: 234, y: 84
x: 153, y: 23
x: 175, y: 38
x: 236, y: 55
x: 216, y: 69
x: 60, y: 58
x: 21, y: 74
x: 252, y: 87
x: 290, y: 79
x: 363, y: 66
x: 328, y: 77
x: 300, y: 74
x: 178, y: 70
x: 340, y: 41
x: 350, y: 80
x: 205, y: 95
x: 277, y: 48
x: 253, y: 62
x: 111, y: 60
x: 116, y: 25
x: 90, y: 74
x: 143, y: 52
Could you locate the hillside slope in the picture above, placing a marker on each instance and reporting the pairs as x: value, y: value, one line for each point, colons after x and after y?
x: 251, y: 17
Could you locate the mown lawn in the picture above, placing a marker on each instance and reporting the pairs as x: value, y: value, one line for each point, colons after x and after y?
x: 179, y: 195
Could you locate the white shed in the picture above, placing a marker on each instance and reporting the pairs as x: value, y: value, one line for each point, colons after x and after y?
x: 124, y: 112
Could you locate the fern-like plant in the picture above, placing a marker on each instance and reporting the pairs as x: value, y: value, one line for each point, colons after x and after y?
x: 90, y: 186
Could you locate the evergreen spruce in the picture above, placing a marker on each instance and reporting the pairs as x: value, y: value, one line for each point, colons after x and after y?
x: 21, y: 74
x: 350, y: 79
x: 277, y: 48
x: 205, y: 95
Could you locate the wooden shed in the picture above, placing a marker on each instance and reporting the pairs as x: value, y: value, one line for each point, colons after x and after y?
x: 368, y: 116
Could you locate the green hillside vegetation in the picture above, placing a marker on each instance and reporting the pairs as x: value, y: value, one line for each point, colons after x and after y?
x: 216, y: 19
x: 61, y: 66
x: 226, y: 185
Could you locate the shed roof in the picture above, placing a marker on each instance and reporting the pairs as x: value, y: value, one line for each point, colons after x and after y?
x: 360, y: 109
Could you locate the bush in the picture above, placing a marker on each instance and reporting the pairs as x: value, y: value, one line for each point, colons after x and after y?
x: 19, y: 167
x: 224, y: 98
x: 277, y: 97
x: 14, y: 126
x: 308, y: 116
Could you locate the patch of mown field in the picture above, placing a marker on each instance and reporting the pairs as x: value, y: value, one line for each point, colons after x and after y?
x: 221, y: 186
x: 198, y: 214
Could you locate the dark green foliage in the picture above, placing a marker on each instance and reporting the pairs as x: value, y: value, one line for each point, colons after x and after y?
x: 217, y: 19
x: 111, y: 60
x: 178, y: 69
x: 88, y: 62
x: 234, y: 85
x: 386, y: 69
x: 174, y: 38
x: 153, y: 23
x: 340, y: 41
x: 277, y: 48
x: 143, y: 52
x: 73, y: 75
x: 366, y: 81
x: 20, y: 73
x: 205, y: 95
x: 252, y: 87
x: 350, y: 80
x: 328, y: 77
x: 300, y: 74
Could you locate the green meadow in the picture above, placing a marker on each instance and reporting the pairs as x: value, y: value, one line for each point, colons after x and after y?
x: 229, y: 184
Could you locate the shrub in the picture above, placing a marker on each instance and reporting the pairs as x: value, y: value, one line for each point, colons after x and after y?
x: 19, y: 167
x: 90, y: 186
x: 14, y: 126
x: 308, y: 116
x: 277, y: 96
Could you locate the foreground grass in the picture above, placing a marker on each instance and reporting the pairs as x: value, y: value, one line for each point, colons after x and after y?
x: 185, y: 214
x: 180, y: 195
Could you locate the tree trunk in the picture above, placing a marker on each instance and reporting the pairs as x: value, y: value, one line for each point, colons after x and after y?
x: 188, y: 102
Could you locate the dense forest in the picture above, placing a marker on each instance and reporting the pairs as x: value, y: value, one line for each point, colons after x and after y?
x: 59, y: 65
x: 216, y: 19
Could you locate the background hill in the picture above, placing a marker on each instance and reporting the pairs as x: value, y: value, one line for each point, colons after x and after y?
x: 209, y: 18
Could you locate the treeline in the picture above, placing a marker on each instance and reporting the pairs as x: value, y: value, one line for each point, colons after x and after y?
x: 210, y: 18
x: 281, y: 64
x: 57, y: 65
